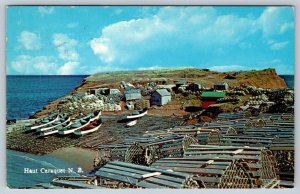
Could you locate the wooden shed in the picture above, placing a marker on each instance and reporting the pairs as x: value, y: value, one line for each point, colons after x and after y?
x: 133, y: 94
x: 221, y: 86
x: 160, y: 97
x: 209, y: 98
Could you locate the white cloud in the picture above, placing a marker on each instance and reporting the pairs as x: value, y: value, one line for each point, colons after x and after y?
x: 276, y: 20
x: 200, y: 27
x: 278, y: 45
x: 192, y: 25
x: 46, y: 10
x: 30, y: 40
x: 225, y: 68
x: 69, y: 68
x: 72, y: 25
x: 66, y: 47
x: 28, y: 65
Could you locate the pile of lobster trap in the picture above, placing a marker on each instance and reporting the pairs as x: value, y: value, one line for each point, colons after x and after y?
x: 236, y: 151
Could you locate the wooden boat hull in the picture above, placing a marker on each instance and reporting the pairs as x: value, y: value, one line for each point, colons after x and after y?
x: 90, y: 119
x: 136, y: 116
x: 69, y: 131
x: 84, y: 132
x: 41, y: 125
x: 51, y: 127
x: 52, y: 131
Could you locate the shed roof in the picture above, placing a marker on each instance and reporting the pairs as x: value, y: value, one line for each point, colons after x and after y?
x: 163, y: 92
x: 132, y: 91
x: 213, y: 94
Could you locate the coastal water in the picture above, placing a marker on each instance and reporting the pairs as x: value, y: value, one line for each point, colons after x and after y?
x: 17, y: 162
x: 27, y: 94
x: 289, y: 80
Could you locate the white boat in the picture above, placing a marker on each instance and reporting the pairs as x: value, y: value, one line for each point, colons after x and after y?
x: 92, y: 127
x: 80, y: 122
x: 62, y: 120
x: 43, y: 122
x: 137, y: 114
x: 131, y: 123
x: 54, y: 130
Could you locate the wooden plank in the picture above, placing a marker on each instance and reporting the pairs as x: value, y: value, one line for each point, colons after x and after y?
x: 151, y: 174
x: 145, y: 184
x: 150, y: 169
x: 74, y: 184
x: 120, y: 178
x: 238, y: 151
x: 170, y: 178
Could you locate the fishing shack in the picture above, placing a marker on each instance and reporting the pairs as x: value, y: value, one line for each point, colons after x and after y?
x: 160, y: 97
x: 132, y: 94
x: 221, y: 86
x: 209, y: 98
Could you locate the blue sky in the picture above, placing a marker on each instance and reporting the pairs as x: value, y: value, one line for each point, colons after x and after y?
x: 64, y: 40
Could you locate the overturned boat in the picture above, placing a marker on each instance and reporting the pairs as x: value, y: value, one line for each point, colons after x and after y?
x: 80, y: 122
x: 43, y: 122
x: 91, y: 127
x: 136, y: 114
x: 63, y: 118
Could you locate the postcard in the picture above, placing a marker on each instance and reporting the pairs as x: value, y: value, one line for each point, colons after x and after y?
x: 176, y: 97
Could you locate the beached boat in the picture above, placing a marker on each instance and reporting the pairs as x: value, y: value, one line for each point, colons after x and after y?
x: 43, y: 122
x: 80, y: 122
x: 136, y: 114
x: 131, y: 123
x: 63, y: 118
x: 91, y: 127
x: 55, y: 129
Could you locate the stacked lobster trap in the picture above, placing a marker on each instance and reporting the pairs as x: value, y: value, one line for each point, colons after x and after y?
x: 258, y: 163
x: 116, y: 174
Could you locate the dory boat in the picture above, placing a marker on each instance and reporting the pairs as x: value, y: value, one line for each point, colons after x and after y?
x: 54, y: 130
x: 131, y: 123
x: 136, y: 114
x: 43, y: 122
x: 80, y: 122
x: 63, y: 118
x: 91, y: 127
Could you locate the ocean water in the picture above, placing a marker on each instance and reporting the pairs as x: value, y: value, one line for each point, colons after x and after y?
x: 17, y: 161
x: 24, y: 96
x: 27, y: 94
x: 289, y: 80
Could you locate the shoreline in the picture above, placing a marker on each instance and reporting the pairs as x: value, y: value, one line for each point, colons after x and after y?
x: 80, y: 156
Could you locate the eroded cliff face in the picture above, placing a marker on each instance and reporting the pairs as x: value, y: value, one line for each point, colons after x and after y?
x: 267, y: 78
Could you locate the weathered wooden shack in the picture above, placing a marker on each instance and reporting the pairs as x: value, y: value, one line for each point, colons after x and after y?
x: 133, y: 94
x: 160, y: 97
x: 194, y: 87
x: 221, y: 86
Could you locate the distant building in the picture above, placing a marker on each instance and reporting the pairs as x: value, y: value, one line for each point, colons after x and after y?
x: 209, y: 98
x: 221, y: 86
x: 132, y: 94
x: 180, y: 83
x: 194, y: 87
x: 99, y: 91
x: 114, y: 91
x: 160, y: 97
x: 169, y: 87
